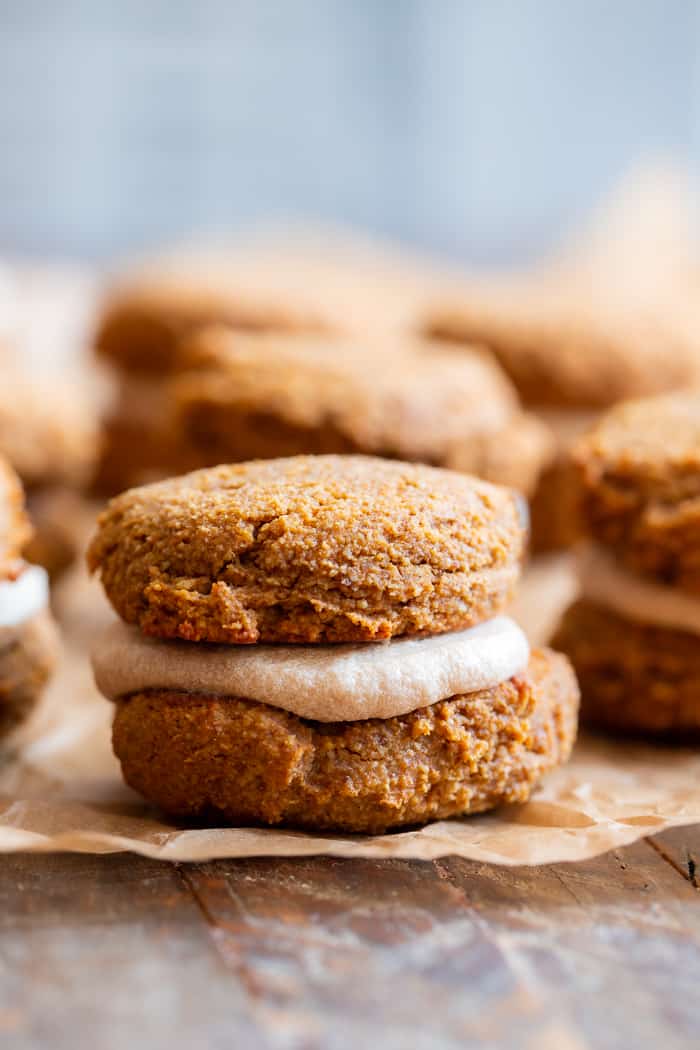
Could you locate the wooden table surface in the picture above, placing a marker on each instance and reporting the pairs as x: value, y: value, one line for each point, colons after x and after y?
x: 118, y: 951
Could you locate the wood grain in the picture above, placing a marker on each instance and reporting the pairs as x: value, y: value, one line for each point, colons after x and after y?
x: 120, y: 951
x: 115, y: 951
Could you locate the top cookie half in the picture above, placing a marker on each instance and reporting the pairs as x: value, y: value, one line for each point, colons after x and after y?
x: 567, y: 345
x: 639, y: 480
x: 310, y: 549
x: 286, y: 286
x: 260, y: 397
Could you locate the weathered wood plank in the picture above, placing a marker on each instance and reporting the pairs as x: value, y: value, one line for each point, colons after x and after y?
x: 108, y: 952
x: 589, y: 954
x: 615, y: 942
x: 332, y: 953
x: 680, y: 847
x: 342, y: 950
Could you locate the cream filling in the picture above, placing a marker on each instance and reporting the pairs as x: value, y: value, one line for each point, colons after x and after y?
x: 23, y: 598
x: 326, y: 683
x: 603, y: 581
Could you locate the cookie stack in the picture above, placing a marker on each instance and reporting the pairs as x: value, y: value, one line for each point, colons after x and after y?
x: 28, y: 639
x: 259, y: 397
x: 573, y: 348
x: 48, y: 432
x: 288, y: 285
x: 633, y: 636
x: 320, y: 641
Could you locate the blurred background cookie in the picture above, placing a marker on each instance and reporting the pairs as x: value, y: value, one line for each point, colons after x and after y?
x: 574, y: 344
x: 633, y: 634
x: 260, y: 397
x: 28, y: 639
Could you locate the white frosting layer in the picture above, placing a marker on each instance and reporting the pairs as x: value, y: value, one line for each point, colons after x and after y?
x: 603, y: 581
x: 23, y: 598
x: 326, y: 683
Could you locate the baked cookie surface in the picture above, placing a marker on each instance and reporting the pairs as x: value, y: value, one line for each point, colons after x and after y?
x: 309, y: 549
x: 248, y: 398
x: 208, y: 756
x: 638, y: 472
x: 634, y: 677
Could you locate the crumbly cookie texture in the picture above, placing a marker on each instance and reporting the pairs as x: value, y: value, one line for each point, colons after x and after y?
x: 634, y: 677
x: 245, y: 762
x: 566, y: 346
x: 27, y: 658
x: 310, y: 549
x: 261, y: 397
x: 15, y: 530
x: 638, y: 472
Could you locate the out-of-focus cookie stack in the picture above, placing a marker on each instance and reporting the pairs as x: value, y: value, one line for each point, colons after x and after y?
x: 28, y: 640
x: 281, y: 286
x: 633, y: 636
x: 48, y: 432
x: 253, y: 397
x: 312, y: 354
x: 572, y: 351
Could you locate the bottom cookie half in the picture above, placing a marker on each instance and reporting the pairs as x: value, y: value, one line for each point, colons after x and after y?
x: 246, y: 762
x: 634, y: 677
x: 27, y: 657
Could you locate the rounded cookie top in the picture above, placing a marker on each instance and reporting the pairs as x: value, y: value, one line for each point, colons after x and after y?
x: 264, y: 397
x: 15, y: 530
x: 563, y: 345
x: 310, y: 549
x: 638, y: 474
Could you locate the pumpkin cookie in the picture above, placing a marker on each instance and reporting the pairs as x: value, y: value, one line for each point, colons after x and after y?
x: 309, y: 549
x: 28, y: 640
x: 449, y: 714
x: 572, y: 350
x: 49, y: 435
x: 634, y: 633
x: 247, y: 398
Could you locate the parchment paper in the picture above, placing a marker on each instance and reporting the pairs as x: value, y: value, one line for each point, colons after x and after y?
x: 60, y: 789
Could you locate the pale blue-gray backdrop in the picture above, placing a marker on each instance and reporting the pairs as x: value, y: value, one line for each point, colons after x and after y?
x: 477, y: 127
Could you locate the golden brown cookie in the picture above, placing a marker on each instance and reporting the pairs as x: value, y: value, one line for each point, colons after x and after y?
x: 638, y: 473
x: 48, y: 432
x: 309, y: 549
x: 567, y: 346
x: 28, y: 655
x: 249, y: 398
x: 634, y: 677
x: 292, y: 284
x: 573, y: 347
x: 246, y: 762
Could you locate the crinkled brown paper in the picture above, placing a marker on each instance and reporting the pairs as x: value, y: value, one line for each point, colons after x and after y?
x: 62, y: 790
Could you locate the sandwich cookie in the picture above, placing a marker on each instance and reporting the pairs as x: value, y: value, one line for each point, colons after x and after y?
x: 321, y: 642
x: 573, y: 347
x: 634, y: 634
x: 264, y: 397
x: 28, y: 638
